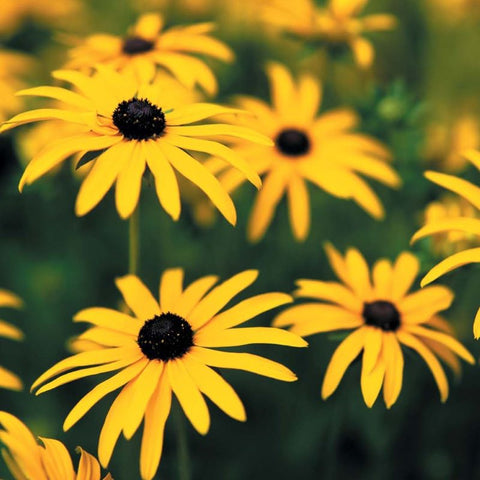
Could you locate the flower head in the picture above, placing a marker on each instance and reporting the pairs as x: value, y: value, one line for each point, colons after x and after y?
x: 133, y: 127
x: 319, y: 148
x: 26, y: 458
x: 464, y: 224
x: 147, y: 46
x: 7, y: 378
x: 337, y: 24
x: 168, y: 346
x: 383, y: 316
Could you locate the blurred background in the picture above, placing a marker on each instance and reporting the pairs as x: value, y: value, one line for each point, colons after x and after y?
x: 420, y: 98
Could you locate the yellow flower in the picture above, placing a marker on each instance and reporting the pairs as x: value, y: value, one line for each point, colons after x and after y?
x: 321, y: 149
x: 132, y: 127
x: 336, y: 24
x: 13, y: 12
x: 147, y: 46
x: 456, y: 10
x: 465, y: 224
x: 383, y: 316
x: 12, y: 66
x: 450, y: 208
x: 50, y: 460
x: 169, y: 346
x: 7, y: 378
x: 446, y: 143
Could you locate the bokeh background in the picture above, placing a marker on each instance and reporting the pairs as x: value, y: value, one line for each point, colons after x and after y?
x: 426, y: 76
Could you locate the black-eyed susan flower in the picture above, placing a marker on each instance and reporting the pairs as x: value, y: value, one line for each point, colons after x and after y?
x: 321, y: 149
x: 337, y: 24
x: 133, y: 127
x: 7, y: 378
x: 44, y: 459
x: 13, y: 66
x: 448, y: 141
x: 449, y: 207
x: 383, y: 317
x: 169, y: 346
x: 464, y: 224
x: 146, y: 46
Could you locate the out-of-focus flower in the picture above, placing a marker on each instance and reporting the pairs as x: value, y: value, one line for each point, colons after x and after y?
x: 464, y: 224
x: 446, y: 142
x: 14, y: 12
x: 7, y: 378
x: 454, y: 11
x: 147, y: 46
x: 27, y: 459
x: 133, y: 126
x: 338, y: 24
x: 383, y: 316
x: 447, y: 208
x: 169, y: 346
x: 12, y: 66
x: 321, y: 149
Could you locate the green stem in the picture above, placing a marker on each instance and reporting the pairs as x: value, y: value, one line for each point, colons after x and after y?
x: 134, y: 241
x: 182, y: 445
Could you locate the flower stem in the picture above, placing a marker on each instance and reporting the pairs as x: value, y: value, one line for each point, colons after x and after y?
x: 182, y: 445
x: 134, y: 241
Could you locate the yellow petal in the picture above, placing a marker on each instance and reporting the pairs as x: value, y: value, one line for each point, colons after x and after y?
x: 466, y: 225
x: 358, y: 274
x: 371, y: 381
x: 371, y: 351
x: 56, y: 460
x: 476, y: 325
x: 8, y: 299
x: 435, y: 299
x: 363, y: 52
x: 192, y: 295
x: 10, y: 380
x: 282, y: 88
x: 382, y: 279
x: 405, y: 271
x: 88, y: 467
x: 298, y: 207
x: 61, y: 94
x: 198, y: 111
x: 171, y: 286
x: 148, y: 26
x: 9, y: 331
x: 393, y: 357
x: 108, y: 318
x: 138, y: 297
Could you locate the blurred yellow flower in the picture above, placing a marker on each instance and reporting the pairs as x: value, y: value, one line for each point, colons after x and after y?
x: 383, y: 316
x: 321, y: 149
x: 446, y: 142
x: 49, y: 460
x: 13, y: 12
x: 13, y: 65
x: 337, y: 24
x: 465, y: 224
x: 448, y: 208
x: 133, y: 127
x: 7, y: 378
x: 169, y: 346
x: 456, y: 10
x: 146, y: 46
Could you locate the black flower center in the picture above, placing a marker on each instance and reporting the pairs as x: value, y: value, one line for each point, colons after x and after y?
x: 165, y: 337
x: 293, y: 142
x: 382, y: 314
x: 138, y: 119
x: 134, y: 45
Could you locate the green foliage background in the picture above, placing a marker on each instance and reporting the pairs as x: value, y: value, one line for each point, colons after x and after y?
x: 60, y: 264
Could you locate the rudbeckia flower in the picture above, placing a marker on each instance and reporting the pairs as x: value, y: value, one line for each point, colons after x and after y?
x: 132, y: 128
x: 13, y: 65
x: 337, y: 24
x: 7, y: 378
x: 169, y: 346
x: 383, y: 316
x: 26, y: 458
x: 146, y: 46
x: 465, y: 224
x: 322, y: 149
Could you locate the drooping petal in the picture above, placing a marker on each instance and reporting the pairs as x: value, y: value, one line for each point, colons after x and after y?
x: 393, y: 358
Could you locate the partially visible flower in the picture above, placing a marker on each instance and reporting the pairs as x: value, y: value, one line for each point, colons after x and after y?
x: 14, y: 12
x: 147, y: 46
x: 13, y: 65
x: 447, y: 142
x: 44, y: 459
x: 382, y: 316
x: 7, y: 378
x: 454, y: 11
x: 465, y: 224
x: 132, y: 128
x: 447, y: 208
x: 337, y: 24
x: 322, y: 149
x: 164, y: 347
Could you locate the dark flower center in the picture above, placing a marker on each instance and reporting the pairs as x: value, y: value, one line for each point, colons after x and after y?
x: 165, y: 337
x: 382, y: 314
x: 293, y: 142
x: 138, y: 119
x: 134, y: 45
